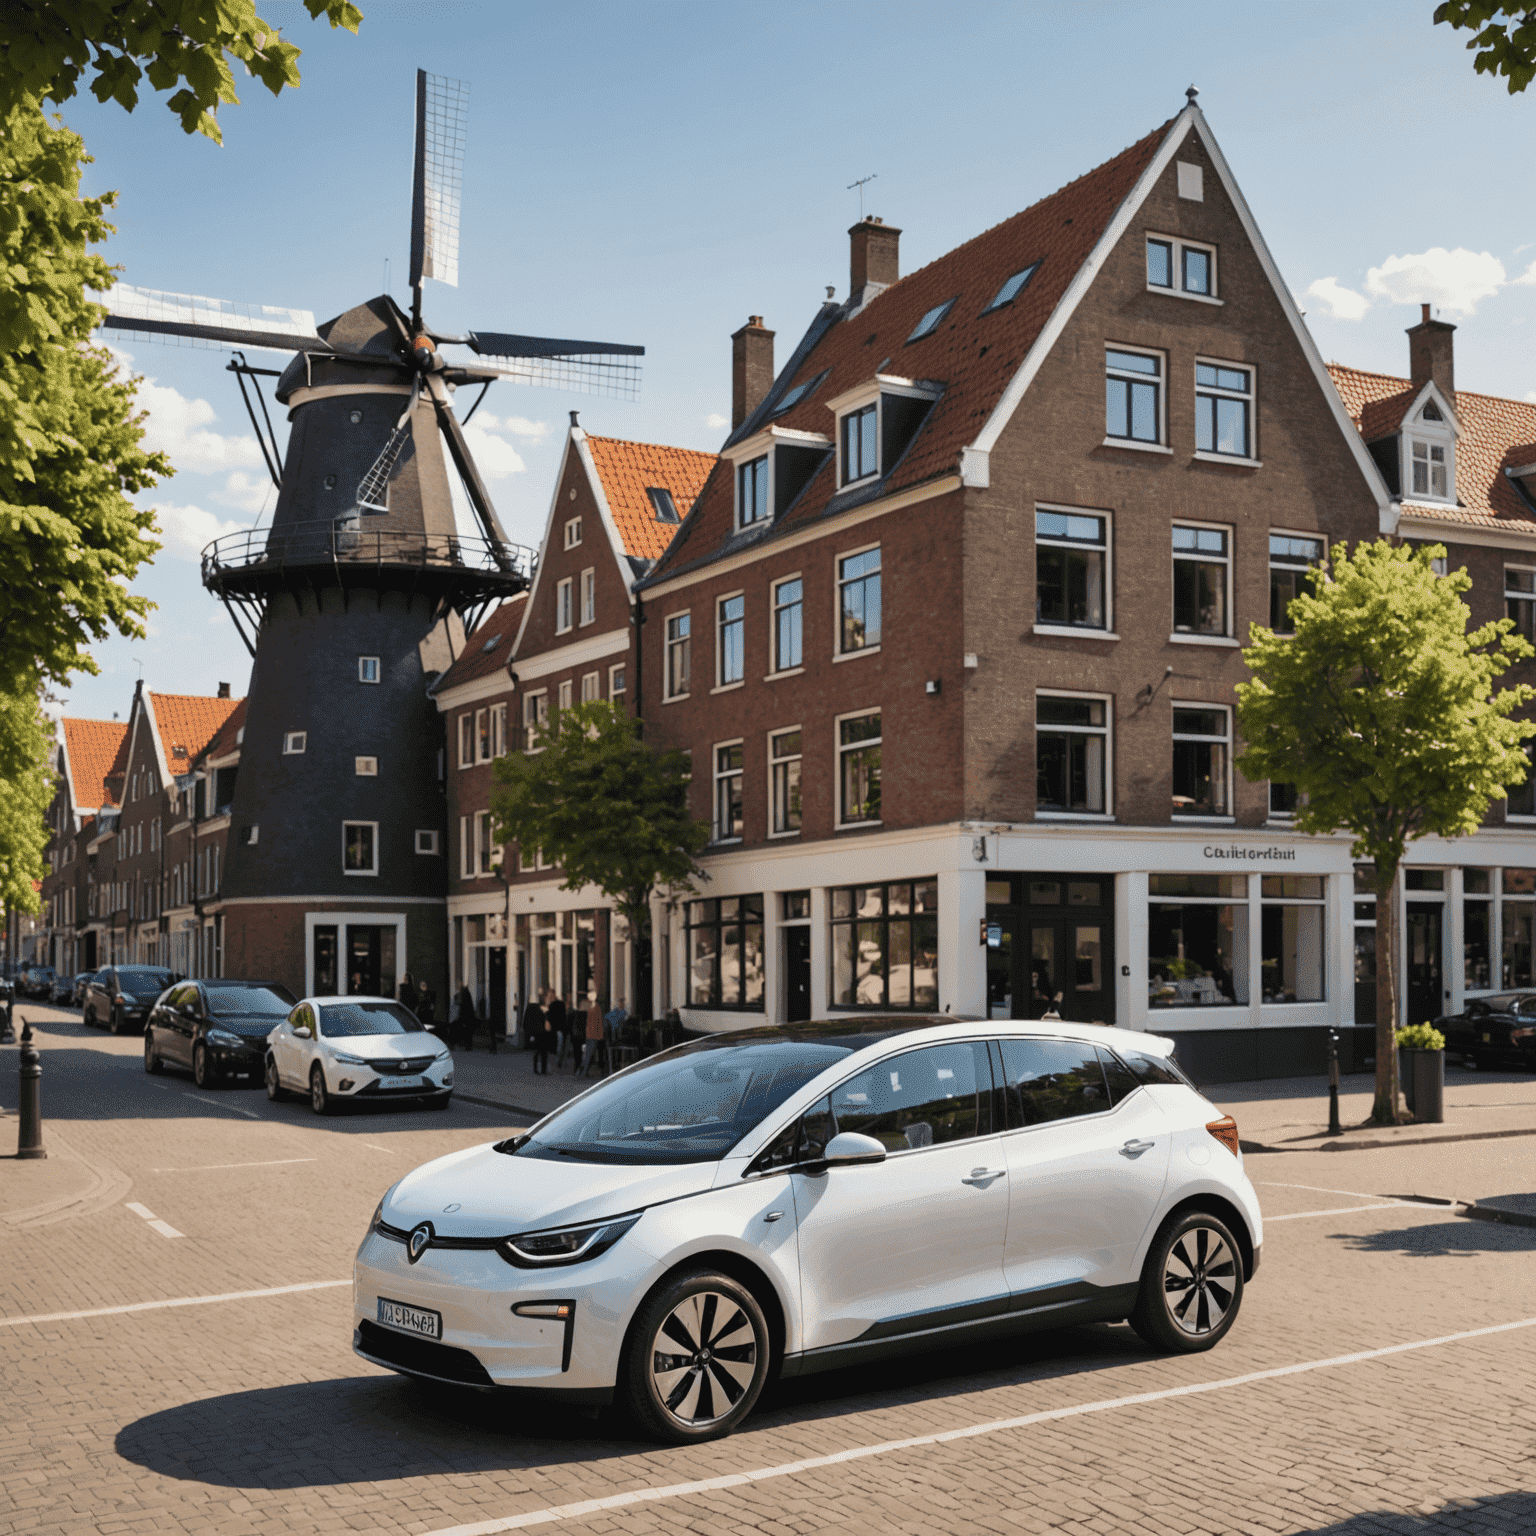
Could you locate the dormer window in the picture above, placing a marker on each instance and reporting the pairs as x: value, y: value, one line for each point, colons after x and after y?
x: 662, y: 504
x: 876, y: 422
x: 1429, y: 469
x: 752, y: 492
x: 931, y: 321
x: 773, y: 467
x: 1012, y: 288
x: 861, y: 450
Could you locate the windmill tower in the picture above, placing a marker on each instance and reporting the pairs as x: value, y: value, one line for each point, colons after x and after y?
x: 359, y: 591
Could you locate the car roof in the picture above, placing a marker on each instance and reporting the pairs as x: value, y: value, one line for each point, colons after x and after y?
x: 355, y: 997
x: 880, y: 1029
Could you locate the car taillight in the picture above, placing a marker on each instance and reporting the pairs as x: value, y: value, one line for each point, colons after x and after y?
x: 1225, y: 1131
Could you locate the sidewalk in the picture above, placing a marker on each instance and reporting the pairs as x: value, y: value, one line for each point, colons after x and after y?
x: 506, y: 1080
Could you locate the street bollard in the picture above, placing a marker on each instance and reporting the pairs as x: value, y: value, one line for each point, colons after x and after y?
x: 7, y: 1007
x: 30, y: 1108
x: 1334, y: 1128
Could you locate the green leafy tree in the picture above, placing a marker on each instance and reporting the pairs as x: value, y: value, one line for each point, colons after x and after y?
x: 47, y: 46
x: 1505, y: 39
x: 605, y: 808
x: 26, y: 789
x: 1381, y: 710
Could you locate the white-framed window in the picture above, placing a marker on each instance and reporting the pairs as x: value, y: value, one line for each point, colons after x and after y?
x: 1293, y: 922
x: 858, y: 601
x: 591, y: 687
x: 679, y: 655
x: 572, y: 532
x: 1133, y: 395
x: 730, y: 639
x: 1072, y: 586
x: 366, y: 767
x: 1429, y: 466
x: 1202, y: 760
x: 535, y: 719
x: 859, y: 444
x: 858, y: 768
x: 564, y: 618
x: 1520, y: 803
x: 367, y: 669
x: 498, y: 730
x: 1224, y: 409
x: 475, y: 852
x: 618, y: 683
x: 359, y: 847
x: 589, y: 595
x: 1520, y: 598
x: 784, y: 759
x: 1197, y: 940
x: 1292, y: 557
x: 484, y: 851
x: 295, y: 742
x: 1283, y: 800
x: 565, y: 692
x: 466, y: 740
x: 1181, y: 266
x: 482, y: 735
x: 1072, y: 757
x: 752, y: 492
x: 426, y: 840
x: 728, y: 820
x: 788, y: 633
x: 1202, y: 576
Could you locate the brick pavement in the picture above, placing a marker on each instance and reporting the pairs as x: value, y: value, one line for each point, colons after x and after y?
x: 255, y: 1417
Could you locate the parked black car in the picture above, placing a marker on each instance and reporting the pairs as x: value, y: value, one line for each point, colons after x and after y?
x: 119, y: 997
x: 217, y: 1027
x: 66, y: 989
x: 81, y: 982
x: 36, y: 981
x: 1498, y: 1029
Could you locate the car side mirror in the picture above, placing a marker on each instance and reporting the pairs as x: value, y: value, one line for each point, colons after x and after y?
x: 851, y: 1147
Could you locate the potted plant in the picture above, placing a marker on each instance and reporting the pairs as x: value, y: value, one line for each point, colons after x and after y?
x: 1421, y: 1070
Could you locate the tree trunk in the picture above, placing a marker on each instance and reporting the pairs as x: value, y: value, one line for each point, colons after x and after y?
x: 1385, y: 1109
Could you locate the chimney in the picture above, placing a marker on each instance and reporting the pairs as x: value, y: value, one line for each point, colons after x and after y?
x: 223, y: 690
x: 872, y: 255
x: 1432, y: 355
x: 751, y: 369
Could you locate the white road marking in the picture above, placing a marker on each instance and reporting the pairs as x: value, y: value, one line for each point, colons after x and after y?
x: 210, y: 1167
x: 249, y: 1114
x: 179, y: 1301
x: 1318, y: 1189
x: 140, y: 1210
x: 1340, y: 1210
x: 164, y: 1228
x: 996, y: 1426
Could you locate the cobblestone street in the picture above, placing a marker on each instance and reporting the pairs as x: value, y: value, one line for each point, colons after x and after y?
x: 175, y: 1335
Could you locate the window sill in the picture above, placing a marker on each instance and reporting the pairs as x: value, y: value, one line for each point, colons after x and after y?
x: 367, y: 873
x: 853, y: 485
x: 740, y: 682
x: 1075, y: 632
x: 1133, y: 445
x: 567, y: 630
x: 1179, y: 293
x: 774, y: 677
x: 793, y: 832
x: 1205, y: 821
x: 856, y: 826
x: 676, y: 698
x: 1228, y: 458
x: 1226, y: 640
x: 722, y: 842
x: 1520, y: 821
x: 868, y: 650
x: 1074, y: 816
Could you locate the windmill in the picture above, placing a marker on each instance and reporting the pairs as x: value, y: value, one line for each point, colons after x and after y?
x: 354, y: 594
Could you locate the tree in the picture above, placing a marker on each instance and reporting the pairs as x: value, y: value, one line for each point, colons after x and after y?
x: 1381, y: 710
x: 604, y: 808
x: 47, y: 45
x: 1505, y: 39
x: 26, y: 788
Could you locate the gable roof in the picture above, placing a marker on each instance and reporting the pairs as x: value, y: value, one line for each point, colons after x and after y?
x: 475, y: 661
x: 188, y: 721
x: 627, y: 470
x: 90, y: 748
x: 227, y: 738
x: 1496, y: 434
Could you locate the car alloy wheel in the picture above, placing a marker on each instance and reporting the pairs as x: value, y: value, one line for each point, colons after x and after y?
x: 152, y: 1062
x: 319, y: 1097
x: 1191, y: 1284
x: 698, y: 1357
x: 202, y: 1070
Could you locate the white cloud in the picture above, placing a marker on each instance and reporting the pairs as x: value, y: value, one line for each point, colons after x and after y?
x: 1339, y: 303
x: 716, y: 422
x: 1453, y: 280
x: 496, y: 457
x: 1530, y: 395
x: 249, y: 493
x: 186, y: 530
x: 1528, y: 277
x: 518, y: 426
x: 178, y: 426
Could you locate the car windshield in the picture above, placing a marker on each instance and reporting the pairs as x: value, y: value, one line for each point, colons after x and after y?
x: 366, y: 1019
x: 248, y: 1002
x: 691, y: 1105
x: 136, y: 980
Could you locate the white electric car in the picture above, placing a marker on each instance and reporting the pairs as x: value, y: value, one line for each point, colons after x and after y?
x: 364, y: 1050
x: 791, y: 1199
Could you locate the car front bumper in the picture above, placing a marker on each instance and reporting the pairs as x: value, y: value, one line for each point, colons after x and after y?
x: 367, y: 1086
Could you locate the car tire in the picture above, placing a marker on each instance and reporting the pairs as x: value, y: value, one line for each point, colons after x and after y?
x: 152, y: 1062
x: 320, y: 1099
x: 698, y: 1355
x: 203, y: 1073
x: 90, y: 1017
x: 1191, y: 1284
x: 275, y: 1090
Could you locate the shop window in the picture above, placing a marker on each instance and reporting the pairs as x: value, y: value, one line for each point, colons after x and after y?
x: 885, y: 946
x: 1202, y: 738
x: 1292, y: 945
x: 1201, y: 572
x: 1071, y: 753
x: 858, y: 752
x: 795, y: 906
x: 725, y: 953
x: 1197, y: 940
x: 1518, y: 922
x: 1071, y: 555
x: 784, y: 772
x: 1292, y: 559
x: 1476, y: 932
x: 728, y: 804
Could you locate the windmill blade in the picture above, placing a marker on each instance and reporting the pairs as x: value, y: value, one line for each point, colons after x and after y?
x: 189, y: 319
x: 474, y: 486
x: 442, y: 116
x: 586, y: 367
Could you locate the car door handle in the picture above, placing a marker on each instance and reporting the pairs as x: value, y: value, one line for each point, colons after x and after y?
x: 1134, y: 1147
x: 984, y: 1175
x: 773, y: 1216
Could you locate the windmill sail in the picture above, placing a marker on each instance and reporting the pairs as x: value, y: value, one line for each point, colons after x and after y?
x: 189, y: 319
x: 442, y: 117
x: 589, y: 367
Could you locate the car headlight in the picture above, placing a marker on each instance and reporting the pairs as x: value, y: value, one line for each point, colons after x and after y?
x: 564, y: 1245
x: 121, y: 999
x: 343, y: 1060
x: 443, y: 1054
x: 378, y: 1213
x: 224, y: 1037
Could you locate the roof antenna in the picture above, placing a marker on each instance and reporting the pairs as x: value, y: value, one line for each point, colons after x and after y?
x: 860, y: 185
x: 1190, y: 94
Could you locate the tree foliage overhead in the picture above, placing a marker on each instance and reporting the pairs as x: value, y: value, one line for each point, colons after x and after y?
x: 604, y: 807
x: 47, y: 46
x: 26, y: 789
x: 1505, y: 39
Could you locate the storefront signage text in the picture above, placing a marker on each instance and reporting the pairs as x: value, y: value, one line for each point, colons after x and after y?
x: 1233, y: 851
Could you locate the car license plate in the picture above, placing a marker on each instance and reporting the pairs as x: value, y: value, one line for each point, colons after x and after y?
x: 399, y: 1082
x: 396, y: 1314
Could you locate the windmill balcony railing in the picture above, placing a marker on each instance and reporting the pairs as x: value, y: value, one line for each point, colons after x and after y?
x: 346, y: 543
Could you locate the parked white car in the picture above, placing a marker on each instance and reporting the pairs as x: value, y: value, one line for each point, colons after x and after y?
x: 791, y: 1199
x: 366, y: 1050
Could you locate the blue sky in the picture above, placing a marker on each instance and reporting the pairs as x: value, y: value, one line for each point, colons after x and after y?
x: 656, y: 172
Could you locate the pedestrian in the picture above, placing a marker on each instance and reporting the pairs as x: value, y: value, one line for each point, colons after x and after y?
x: 554, y: 1010
x: 428, y: 1009
x: 536, y: 1031
x: 408, y: 994
x: 464, y: 1018
x: 595, y: 1041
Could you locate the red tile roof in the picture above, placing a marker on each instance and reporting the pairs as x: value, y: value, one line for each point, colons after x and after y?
x: 227, y: 738
x: 973, y: 354
x: 188, y: 721
x: 475, y: 661
x: 1496, y: 434
x: 628, y: 470
x: 92, y: 746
